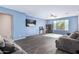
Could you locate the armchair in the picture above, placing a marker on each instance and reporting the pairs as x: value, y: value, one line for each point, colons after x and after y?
x: 69, y: 43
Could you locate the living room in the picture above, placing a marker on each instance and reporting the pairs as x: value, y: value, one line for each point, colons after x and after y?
x: 35, y: 28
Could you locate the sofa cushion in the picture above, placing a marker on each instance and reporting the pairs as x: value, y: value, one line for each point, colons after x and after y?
x: 77, y: 38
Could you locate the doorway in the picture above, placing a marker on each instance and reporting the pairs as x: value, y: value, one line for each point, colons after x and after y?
x: 6, y: 25
x: 49, y: 28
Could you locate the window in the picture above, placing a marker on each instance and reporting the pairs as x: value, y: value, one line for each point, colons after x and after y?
x: 61, y: 25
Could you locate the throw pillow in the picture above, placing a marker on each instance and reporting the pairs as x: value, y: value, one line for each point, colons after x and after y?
x: 74, y: 35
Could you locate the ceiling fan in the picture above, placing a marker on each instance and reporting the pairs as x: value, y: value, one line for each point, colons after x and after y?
x: 52, y: 15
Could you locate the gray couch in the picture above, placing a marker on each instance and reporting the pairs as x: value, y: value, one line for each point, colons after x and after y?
x: 10, y: 47
x: 69, y: 43
x: 18, y: 50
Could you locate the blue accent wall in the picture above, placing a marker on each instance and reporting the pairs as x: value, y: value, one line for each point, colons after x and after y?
x: 35, y: 30
x: 21, y: 31
x: 73, y: 24
x: 19, y: 28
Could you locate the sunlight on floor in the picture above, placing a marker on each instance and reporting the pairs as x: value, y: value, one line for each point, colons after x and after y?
x: 53, y: 35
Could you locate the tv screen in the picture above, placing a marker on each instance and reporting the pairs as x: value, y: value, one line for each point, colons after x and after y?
x: 30, y: 23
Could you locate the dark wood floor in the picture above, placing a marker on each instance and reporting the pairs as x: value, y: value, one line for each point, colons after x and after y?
x: 39, y: 44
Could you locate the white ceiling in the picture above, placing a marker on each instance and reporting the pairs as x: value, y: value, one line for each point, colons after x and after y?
x: 44, y: 11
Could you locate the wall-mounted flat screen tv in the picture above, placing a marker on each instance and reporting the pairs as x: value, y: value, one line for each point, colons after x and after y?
x: 30, y: 23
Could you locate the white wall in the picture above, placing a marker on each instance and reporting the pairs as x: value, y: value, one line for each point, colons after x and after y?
x: 78, y: 22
